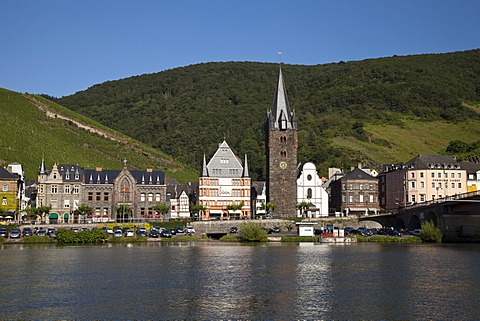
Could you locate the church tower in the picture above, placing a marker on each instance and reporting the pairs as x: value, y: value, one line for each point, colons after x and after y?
x: 281, y: 147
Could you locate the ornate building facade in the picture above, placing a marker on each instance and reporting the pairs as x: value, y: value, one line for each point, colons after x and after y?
x: 281, y: 151
x: 224, y: 182
x: 310, y: 190
x: 113, y: 195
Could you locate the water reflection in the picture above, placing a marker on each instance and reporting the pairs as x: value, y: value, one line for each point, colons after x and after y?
x: 236, y: 281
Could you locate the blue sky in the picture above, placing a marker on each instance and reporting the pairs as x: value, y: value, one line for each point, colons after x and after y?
x: 59, y: 47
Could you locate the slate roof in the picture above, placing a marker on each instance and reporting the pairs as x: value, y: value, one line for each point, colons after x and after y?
x: 359, y: 174
x: 280, y: 110
x: 433, y: 161
x: 4, y: 174
x: 224, y: 163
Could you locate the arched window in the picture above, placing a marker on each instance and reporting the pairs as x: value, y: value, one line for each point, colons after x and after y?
x: 309, y: 193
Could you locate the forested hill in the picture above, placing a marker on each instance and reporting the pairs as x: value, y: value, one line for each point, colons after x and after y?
x: 372, y: 111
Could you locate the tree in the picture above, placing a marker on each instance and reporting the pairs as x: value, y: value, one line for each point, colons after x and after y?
x: 303, y: 207
x: 123, y: 209
x: 269, y: 207
x: 235, y: 207
x: 252, y: 232
x: 162, y: 209
x: 43, y: 211
x: 196, y: 209
x: 83, y: 210
x: 430, y: 233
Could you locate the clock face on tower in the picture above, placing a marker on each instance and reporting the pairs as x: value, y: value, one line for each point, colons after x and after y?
x: 283, y: 165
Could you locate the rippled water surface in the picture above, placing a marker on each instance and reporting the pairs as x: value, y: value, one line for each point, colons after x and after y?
x: 235, y: 281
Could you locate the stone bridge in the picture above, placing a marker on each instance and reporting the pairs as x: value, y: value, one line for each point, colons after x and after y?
x: 458, y: 217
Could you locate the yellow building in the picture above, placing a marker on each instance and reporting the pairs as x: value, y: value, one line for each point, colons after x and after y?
x: 9, y: 183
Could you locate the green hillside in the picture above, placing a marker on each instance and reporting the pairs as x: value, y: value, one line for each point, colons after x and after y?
x: 373, y: 111
x: 27, y: 134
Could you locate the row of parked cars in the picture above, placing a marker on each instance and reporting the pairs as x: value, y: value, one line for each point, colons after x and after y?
x: 17, y: 233
x: 382, y: 231
x: 154, y: 232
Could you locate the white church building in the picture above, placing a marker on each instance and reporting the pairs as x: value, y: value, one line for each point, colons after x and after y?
x: 310, y: 190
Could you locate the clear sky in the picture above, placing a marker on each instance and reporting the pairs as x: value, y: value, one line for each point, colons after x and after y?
x: 59, y: 47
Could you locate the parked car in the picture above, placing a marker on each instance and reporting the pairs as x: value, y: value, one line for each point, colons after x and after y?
x: 233, y: 229
x: 118, y: 233
x: 154, y: 233
x: 27, y: 232
x: 318, y: 231
x: 129, y: 233
x: 51, y: 232
x: 41, y: 232
x: 15, y: 233
x: 189, y: 230
x: 165, y: 233
x: 141, y: 231
x: 180, y: 229
x: 391, y: 232
x: 276, y: 229
x: 3, y: 232
x: 173, y: 231
x: 415, y: 232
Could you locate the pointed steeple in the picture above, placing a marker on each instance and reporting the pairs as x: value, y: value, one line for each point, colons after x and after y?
x: 203, y: 171
x: 41, y: 170
x: 245, y: 167
x: 280, y: 116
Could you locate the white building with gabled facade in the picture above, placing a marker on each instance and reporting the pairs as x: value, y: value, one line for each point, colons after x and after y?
x: 224, y: 182
x: 310, y: 190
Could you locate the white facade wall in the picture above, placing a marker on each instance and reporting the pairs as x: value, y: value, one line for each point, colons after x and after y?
x: 309, y: 189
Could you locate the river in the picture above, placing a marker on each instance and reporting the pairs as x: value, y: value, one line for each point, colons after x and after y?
x: 214, y: 280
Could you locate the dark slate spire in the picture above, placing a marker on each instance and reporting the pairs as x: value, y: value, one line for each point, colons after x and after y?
x: 280, y: 116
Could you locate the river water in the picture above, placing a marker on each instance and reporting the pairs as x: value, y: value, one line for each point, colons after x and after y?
x: 213, y: 280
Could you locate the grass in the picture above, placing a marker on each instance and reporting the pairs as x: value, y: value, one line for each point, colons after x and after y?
x: 389, y: 239
x: 412, y: 138
x: 27, y: 135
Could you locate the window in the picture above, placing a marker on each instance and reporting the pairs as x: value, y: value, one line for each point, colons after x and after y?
x: 439, y: 174
x: 459, y: 185
x: 433, y: 184
x: 439, y: 185
x: 76, y: 189
x: 54, y: 189
x: 421, y: 174
x: 361, y: 198
x: 433, y: 175
x: 459, y: 175
x: 422, y: 184
x: 66, y: 204
x: 453, y: 185
x: 452, y: 175
x: 370, y: 198
x: 5, y: 187
x: 413, y: 184
x: 105, y: 197
x: 4, y: 201
x: 142, y: 197
x: 309, y: 177
x: 98, y: 196
x: 422, y: 197
x: 90, y: 196
x: 412, y: 174
x: 157, y: 197
x: 67, y: 176
x: 67, y: 189
x: 413, y: 198
x: 309, y: 193
x: 350, y: 198
x: 150, y: 197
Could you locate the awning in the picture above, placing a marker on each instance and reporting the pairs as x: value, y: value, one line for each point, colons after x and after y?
x: 53, y: 216
x: 65, y: 215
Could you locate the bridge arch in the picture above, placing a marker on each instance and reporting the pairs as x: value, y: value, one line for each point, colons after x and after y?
x: 399, y: 223
x: 414, y: 222
x: 431, y: 216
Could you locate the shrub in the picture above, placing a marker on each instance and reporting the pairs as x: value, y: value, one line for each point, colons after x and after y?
x: 252, y: 232
x: 65, y: 236
x: 430, y: 233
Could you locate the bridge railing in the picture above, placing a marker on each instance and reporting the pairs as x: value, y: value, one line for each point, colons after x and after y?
x: 439, y: 200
